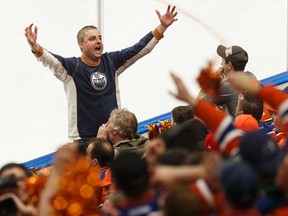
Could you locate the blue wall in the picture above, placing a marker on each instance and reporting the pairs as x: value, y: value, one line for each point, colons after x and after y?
x: 47, y: 160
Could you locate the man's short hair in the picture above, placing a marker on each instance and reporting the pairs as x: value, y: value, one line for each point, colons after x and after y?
x: 190, y: 135
x: 251, y: 105
x: 103, y: 151
x: 130, y: 174
x: 80, y: 35
x: 182, y: 201
x: 125, y: 122
x: 12, y: 165
x: 181, y: 114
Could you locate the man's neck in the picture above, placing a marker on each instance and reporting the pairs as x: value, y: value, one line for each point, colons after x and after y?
x: 118, y: 139
x: 89, y: 61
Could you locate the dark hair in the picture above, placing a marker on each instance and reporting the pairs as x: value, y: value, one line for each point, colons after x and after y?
x: 130, y: 174
x: 251, y: 105
x: 175, y: 156
x: 182, y: 201
x: 181, y: 114
x: 102, y: 151
x: 190, y: 135
x: 238, y: 66
x: 239, y: 183
x: 195, y: 158
x: 8, y: 166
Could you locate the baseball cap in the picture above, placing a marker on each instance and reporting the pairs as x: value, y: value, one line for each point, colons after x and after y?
x: 246, y: 122
x: 234, y: 54
x: 261, y: 151
x: 239, y: 183
x: 210, y: 143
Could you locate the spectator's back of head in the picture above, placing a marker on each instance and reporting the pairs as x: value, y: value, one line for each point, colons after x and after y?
x: 102, y: 151
x: 175, y: 156
x: 182, y: 201
x: 195, y: 158
x: 261, y: 152
x: 249, y: 104
x: 181, y: 114
x: 125, y: 122
x: 239, y: 183
x: 130, y: 174
x: 189, y: 135
x: 10, y: 166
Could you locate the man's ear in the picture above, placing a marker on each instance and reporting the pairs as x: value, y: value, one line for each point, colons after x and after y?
x: 95, y: 161
x: 230, y: 65
x: 115, y: 132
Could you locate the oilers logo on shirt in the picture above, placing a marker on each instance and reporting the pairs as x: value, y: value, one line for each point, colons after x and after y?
x: 98, y: 80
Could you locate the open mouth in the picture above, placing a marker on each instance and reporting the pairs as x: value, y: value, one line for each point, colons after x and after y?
x: 98, y: 48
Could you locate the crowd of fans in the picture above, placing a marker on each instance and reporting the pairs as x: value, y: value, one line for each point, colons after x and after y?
x: 205, y: 163
x: 219, y: 155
